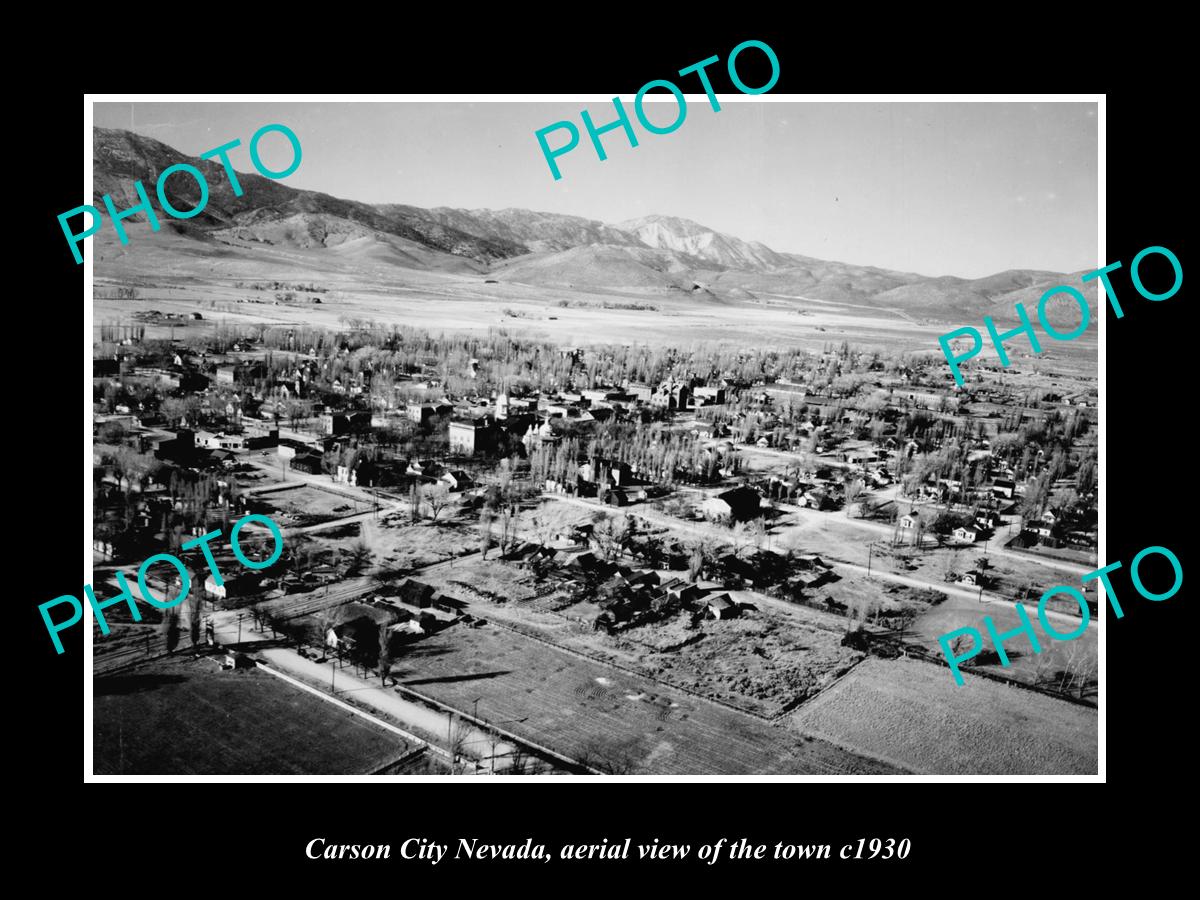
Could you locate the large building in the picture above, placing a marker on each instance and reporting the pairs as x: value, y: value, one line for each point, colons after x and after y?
x: 469, y: 436
x: 736, y: 505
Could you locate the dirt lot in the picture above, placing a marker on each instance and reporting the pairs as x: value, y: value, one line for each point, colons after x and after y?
x: 913, y: 714
x: 184, y: 716
x: 402, y: 547
x: 763, y: 663
x: 305, y: 505
x: 616, y: 721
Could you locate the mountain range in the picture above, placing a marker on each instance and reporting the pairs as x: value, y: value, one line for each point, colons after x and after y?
x: 654, y: 253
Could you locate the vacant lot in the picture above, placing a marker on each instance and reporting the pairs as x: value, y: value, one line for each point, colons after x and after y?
x: 186, y: 717
x: 762, y: 663
x: 615, y: 721
x: 400, y: 547
x: 913, y: 714
x: 304, y: 505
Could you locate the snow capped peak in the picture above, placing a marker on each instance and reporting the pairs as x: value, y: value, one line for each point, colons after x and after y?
x: 693, y: 239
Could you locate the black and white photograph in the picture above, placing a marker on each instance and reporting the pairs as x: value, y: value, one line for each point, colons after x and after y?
x: 480, y: 439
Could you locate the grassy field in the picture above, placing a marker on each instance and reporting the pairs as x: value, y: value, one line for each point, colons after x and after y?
x: 1025, y: 665
x: 184, y: 716
x: 615, y: 721
x: 913, y: 714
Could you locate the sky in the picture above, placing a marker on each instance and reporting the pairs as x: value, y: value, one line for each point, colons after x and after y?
x: 966, y: 189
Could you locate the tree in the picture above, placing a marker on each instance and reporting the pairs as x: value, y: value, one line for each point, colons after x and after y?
x: 414, y: 502
x: 170, y: 628
x: 485, y: 530
x: 324, y: 622
x: 194, y: 616
x: 958, y: 645
x: 740, y: 537
x: 611, y: 535
x: 436, y: 498
x: 458, y: 730
x: 508, y: 527
x: 359, y: 559
x: 695, y: 564
x: 385, y: 652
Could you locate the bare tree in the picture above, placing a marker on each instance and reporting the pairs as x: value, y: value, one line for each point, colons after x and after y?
x: 194, y: 616
x: 958, y: 645
x: 437, y: 497
x: 414, y: 502
x: 611, y: 536
x: 385, y: 652
x: 458, y: 730
x: 508, y: 527
x: 485, y: 530
x: 325, y: 621
x: 170, y: 628
x: 360, y: 557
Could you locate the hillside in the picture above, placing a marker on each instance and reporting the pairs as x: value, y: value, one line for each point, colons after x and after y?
x: 273, y: 223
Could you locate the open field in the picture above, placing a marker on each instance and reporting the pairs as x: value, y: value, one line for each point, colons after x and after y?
x: 913, y: 714
x: 183, y: 716
x: 1025, y: 665
x: 172, y: 276
x: 762, y: 663
x: 615, y: 721
x: 305, y: 505
x: 400, y: 547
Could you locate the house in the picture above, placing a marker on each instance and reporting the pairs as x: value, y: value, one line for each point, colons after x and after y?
x: 237, y: 586
x: 1004, y: 487
x: 721, y: 606
x: 909, y: 521
x: 735, y: 505
x: 969, y: 535
x: 987, y: 520
x: 236, y: 660
x: 812, y: 578
x: 456, y: 480
x: 973, y: 578
x: 416, y: 594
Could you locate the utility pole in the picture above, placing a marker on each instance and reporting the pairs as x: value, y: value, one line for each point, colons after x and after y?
x: 239, y: 628
x: 870, y: 550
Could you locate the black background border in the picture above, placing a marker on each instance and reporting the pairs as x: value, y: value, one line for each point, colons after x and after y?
x: 1148, y: 425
